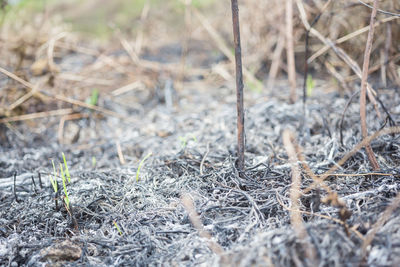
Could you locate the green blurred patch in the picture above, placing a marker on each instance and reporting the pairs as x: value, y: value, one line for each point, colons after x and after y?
x: 100, y: 18
x: 310, y: 85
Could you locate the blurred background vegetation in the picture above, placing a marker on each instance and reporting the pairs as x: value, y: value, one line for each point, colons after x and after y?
x: 97, y: 18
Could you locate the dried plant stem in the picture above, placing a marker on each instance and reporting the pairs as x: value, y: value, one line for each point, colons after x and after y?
x: 239, y: 85
x: 221, y: 45
x: 338, y: 51
x: 363, y: 93
x: 61, y: 97
x: 276, y: 60
x: 295, y: 194
x: 38, y: 115
x: 290, y: 50
x: 196, y: 221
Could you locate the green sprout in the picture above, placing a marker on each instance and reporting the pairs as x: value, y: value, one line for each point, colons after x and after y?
x: 94, y: 162
x: 255, y: 86
x: 184, y: 139
x: 66, y: 199
x: 116, y: 226
x: 140, y: 165
x: 94, y: 98
x: 66, y: 168
x: 53, y: 181
x: 310, y: 84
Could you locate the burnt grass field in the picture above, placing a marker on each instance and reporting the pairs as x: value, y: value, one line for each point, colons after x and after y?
x: 150, y: 143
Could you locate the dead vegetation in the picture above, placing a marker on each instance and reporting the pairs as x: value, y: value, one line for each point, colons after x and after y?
x: 286, y: 205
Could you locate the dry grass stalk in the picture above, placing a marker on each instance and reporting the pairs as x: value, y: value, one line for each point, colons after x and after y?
x: 222, y: 46
x: 290, y: 50
x: 368, y: 48
x: 120, y: 154
x: 339, y: 52
x: 61, y: 124
x: 38, y: 115
x: 276, y: 60
x: 295, y: 194
x: 348, y: 37
x: 194, y: 217
x: 63, y: 98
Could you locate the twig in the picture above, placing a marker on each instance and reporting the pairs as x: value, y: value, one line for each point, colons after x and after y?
x: 309, y: 29
x: 276, y: 60
x: 367, y: 54
x: 290, y: 50
x: 339, y: 52
x: 195, y: 219
x: 63, y: 98
x: 295, y: 194
x: 239, y: 85
x: 38, y: 115
x: 34, y: 184
x: 120, y: 154
x: 219, y: 41
x: 380, y: 10
x: 347, y: 38
x: 40, y: 180
x: 343, y: 114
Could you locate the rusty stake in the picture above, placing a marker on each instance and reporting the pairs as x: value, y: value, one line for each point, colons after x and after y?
x: 239, y: 85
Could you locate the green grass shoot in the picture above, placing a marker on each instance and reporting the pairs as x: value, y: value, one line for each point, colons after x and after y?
x: 310, y: 84
x: 140, y: 165
x: 66, y: 199
x: 184, y: 139
x: 116, y: 226
x: 66, y: 168
x: 94, y: 98
x: 94, y: 162
x: 53, y: 179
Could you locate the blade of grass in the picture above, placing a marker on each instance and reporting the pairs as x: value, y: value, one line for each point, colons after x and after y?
x: 66, y: 168
x: 66, y: 199
x: 140, y: 165
x: 116, y: 226
x: 53, y: 181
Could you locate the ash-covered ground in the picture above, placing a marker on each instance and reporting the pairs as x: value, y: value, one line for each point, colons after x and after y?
x: 115, y: 220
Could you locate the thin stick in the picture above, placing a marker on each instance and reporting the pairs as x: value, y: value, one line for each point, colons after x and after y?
x: 38, y: 115
x: 290, y: 50
x: 120, y: 154
x: 346, y: 38
x: 222, y: 46
x: 363, y: 93
x: 62, y: 98
x: 239, y: 85
x: 295, y: 193
x: 276, y: 60
x: 196, y: 221
x: 339, y: 52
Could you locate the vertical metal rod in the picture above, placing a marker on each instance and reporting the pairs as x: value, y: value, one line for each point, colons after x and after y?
x: 239, y: 85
